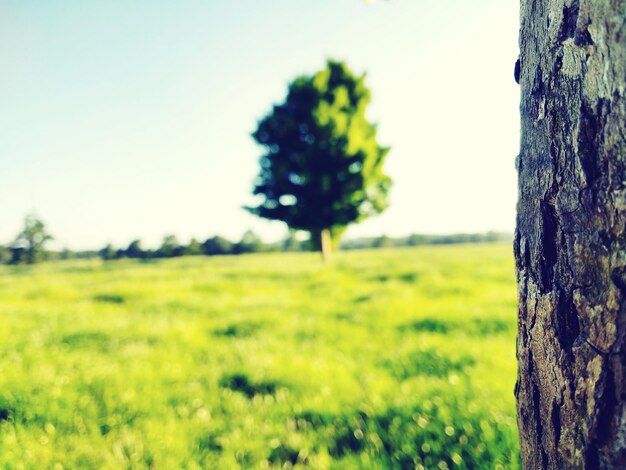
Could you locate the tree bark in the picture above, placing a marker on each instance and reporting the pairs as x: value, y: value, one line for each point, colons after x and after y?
x: 570, y: 242
x: 326, y: 244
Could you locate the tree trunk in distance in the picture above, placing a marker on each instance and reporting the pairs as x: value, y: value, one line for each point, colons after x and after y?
x: 570, y: 241
x: 326, y: 244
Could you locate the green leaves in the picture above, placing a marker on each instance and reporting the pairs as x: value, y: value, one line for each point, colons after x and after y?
x: 29, y: 244
x: 323, y: 167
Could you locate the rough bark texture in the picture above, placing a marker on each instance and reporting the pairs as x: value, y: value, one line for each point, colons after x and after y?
x: 570, y: 242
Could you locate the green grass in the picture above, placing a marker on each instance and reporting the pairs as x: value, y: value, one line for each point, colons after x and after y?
x: 384, y: 359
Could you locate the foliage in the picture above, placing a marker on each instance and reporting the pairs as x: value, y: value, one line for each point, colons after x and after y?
x: 389, y: 359
x: 383, y: 242
x: 194, y: 248
x: 250, y: 243
x: 323, y: 168
x: 134, y: 250
x: 29, y: 245
x: 291, y: 242
x: 5, y: 255
x: 217, y: 246
x: 419, y: 240
x: 170, y: 247
x: 108, y: 252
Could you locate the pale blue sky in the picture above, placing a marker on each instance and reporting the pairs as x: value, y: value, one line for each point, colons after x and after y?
x: 122, y: 120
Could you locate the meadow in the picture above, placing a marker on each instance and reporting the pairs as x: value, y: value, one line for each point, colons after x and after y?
x: 399, y: 358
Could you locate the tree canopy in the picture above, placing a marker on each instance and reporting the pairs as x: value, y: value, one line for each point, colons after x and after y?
x: 323, y: 166
x: 29, y: 244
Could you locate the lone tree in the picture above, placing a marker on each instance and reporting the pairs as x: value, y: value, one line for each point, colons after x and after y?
x: 323, y: 168
x: 29, y: 245
x: 570, y: 243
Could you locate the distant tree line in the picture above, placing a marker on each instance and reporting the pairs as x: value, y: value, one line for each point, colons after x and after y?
x: 171, y: 248
x: 419, y: 239
x: 29, y: 246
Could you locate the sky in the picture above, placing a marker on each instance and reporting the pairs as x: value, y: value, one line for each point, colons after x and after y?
x: 122, y: 120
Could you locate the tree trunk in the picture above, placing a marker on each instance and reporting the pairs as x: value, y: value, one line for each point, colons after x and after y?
x: 570, y: 243
x: 326, y: 244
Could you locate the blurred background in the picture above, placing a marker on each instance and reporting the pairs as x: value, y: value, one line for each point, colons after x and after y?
x: 123, y: 121
x: 126, y: 138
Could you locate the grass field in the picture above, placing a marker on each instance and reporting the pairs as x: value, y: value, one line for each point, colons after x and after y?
x: 384, y: 359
